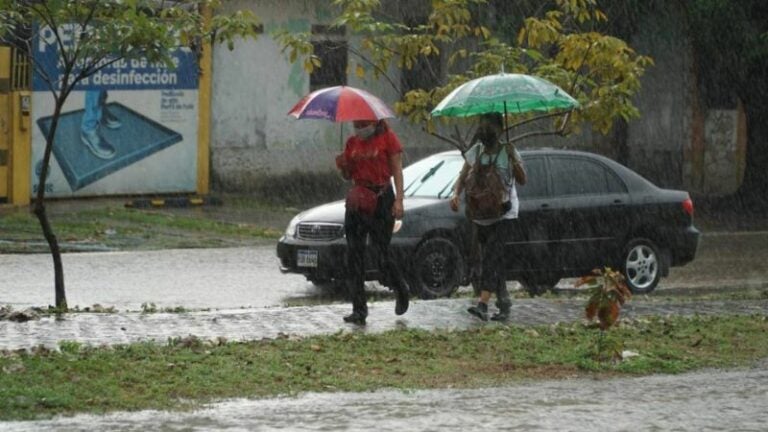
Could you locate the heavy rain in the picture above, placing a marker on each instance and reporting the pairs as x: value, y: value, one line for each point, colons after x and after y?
x: 222, y: 215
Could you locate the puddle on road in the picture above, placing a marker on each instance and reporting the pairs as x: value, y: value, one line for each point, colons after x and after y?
x: 708, y: 400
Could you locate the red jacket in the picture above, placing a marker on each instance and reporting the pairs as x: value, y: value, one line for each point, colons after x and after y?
x: 368, y: 160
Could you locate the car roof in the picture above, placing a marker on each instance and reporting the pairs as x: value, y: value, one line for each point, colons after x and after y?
x: 635, y: 180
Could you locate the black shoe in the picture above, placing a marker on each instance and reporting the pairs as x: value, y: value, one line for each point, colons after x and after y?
x: 500, y: 316
x: 355, y: 318
x: 403, y: 294
x: 480, y: 311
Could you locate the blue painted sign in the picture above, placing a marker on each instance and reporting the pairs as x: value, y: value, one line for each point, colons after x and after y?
x: 120, y: 74
x: 129, y: 128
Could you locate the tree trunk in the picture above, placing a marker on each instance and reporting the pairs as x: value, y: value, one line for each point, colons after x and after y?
x: 753, y: 188
x: 42, y: 215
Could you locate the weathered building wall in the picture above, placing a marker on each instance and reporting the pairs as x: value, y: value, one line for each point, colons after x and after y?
x: 725, y: 146
x: 256, y: 147
x: 678, y: 141
x: 657, y: 139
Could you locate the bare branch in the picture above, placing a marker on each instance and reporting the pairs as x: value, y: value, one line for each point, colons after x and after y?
x: 536, y: 118
x: 532, y: 134
x: 446, y: 139
x: 381, y: 71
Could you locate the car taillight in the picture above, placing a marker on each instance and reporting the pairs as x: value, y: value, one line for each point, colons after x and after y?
x: 688, y: 206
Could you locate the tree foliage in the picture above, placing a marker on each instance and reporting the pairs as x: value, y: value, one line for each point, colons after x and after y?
x: 90, y: 35
x: 559, y: 43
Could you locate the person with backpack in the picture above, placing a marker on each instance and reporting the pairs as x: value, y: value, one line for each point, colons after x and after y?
x: 372, y: 157
x: 487, y: 179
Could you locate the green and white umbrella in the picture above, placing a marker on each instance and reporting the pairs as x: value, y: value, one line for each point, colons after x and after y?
x: 505, y: 94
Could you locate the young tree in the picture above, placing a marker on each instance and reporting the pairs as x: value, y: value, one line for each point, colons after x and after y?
x: 559, y: 41
x: 89, y: 35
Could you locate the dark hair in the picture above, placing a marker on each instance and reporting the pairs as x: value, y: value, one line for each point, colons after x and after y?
x: 496, y: 118
x: 381, y: 127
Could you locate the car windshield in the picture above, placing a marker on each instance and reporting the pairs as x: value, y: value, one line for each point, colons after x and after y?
x: 432, y: 177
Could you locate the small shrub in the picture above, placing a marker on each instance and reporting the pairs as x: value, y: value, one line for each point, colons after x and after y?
x: 607, y: 293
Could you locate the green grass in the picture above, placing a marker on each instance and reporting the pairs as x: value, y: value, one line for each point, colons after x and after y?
x: 186, y: 372
x: 125, y: 228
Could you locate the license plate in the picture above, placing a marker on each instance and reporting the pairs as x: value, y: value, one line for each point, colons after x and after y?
x: 306, y: 258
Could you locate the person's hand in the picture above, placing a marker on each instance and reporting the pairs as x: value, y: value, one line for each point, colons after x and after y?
x: 341, y: 162
x: 397, y: 209
x: 455, y: 202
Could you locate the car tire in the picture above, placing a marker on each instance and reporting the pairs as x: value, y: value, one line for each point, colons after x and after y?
x: 538, y: 284
x: 641, y: 265
x: 437, y: 269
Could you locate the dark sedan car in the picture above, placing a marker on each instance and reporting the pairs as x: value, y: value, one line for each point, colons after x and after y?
x: 578, y: 211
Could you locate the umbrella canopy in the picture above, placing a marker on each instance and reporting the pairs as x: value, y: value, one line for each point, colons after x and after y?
x: 504, y: 93
x: 340, y: 104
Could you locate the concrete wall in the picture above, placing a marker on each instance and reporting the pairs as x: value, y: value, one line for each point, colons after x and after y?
x: 657, y: 139
x: 679, y: 142
x: 255, y: 145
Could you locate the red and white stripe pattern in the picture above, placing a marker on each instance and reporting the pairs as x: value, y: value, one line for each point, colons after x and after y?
x: 340, y: 104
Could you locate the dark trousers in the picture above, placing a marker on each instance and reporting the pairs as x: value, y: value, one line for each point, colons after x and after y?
x: 491, y: 240
x: 379, y: 226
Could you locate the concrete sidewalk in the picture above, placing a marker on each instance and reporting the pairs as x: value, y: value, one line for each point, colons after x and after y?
x: 254, y: 324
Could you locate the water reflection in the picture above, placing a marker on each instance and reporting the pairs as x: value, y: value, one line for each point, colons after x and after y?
x: 708, y: 400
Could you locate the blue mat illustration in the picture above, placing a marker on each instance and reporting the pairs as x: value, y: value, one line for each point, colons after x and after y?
x: 137, y: 138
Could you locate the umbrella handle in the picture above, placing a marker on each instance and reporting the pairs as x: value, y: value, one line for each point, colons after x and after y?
x: 506, y: 130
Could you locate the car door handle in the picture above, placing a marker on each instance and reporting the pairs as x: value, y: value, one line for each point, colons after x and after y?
x: 617, y: 203
x: 545, y: 208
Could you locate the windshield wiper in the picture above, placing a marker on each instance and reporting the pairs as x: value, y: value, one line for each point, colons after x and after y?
x: 432, y: 171
x: 447, y: 187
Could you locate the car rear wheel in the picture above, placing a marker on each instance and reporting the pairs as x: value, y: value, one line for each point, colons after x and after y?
x: 538, y: 284
x: 437, y: 269
x: 641, y: 266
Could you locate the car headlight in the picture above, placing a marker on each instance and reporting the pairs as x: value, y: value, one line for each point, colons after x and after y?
x: 291, y: 230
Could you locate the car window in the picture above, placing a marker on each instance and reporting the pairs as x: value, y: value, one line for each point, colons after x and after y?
x: 615, y: 185
x: 432, y: 177
x: 536, y: 184
x: 579, y: 176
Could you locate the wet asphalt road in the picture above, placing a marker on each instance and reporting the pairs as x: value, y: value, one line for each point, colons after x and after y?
x: 239, y: 294
x: 249, y: 277
x: 192, y: 278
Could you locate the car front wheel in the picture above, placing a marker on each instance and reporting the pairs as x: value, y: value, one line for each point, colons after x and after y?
x: 437, y: 269
x: 641, y: 266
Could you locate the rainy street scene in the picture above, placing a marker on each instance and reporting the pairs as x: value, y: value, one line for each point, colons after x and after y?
x: 419, y: 215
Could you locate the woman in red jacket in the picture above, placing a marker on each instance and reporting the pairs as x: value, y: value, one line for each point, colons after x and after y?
x: 372, y: 157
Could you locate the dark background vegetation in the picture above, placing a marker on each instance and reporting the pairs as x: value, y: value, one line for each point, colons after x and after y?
x: 730, y: 50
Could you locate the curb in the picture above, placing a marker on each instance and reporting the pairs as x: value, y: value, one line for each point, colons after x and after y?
x: 174, y: 202
x: 682, y: 289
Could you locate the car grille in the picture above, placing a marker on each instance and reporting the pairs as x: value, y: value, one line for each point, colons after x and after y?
x: 319, y: 231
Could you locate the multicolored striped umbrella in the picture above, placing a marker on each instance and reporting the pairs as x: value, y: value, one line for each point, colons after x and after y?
x: 340, y: 104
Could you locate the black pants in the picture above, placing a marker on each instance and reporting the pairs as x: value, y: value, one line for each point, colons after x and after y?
x: 379, y: 226
x: 491, y: 240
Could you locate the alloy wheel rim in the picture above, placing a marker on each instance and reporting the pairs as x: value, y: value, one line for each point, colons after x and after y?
x: 642, y: 266
x: 435, y: 270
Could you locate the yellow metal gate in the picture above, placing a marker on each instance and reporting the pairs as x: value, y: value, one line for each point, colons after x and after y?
x: 5, y: 121
x: 15, y: 134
